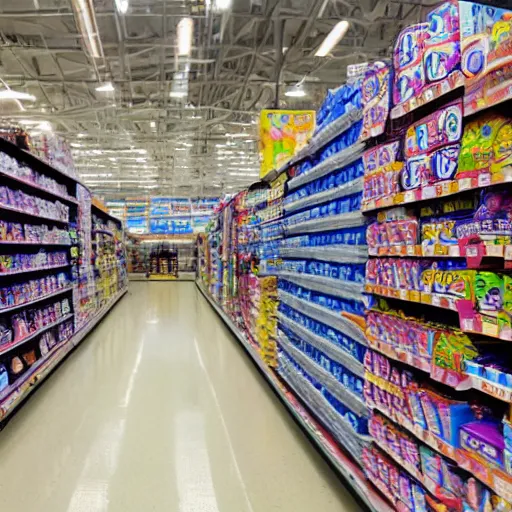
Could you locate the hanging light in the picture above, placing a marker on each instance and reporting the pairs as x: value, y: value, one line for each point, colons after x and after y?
x: 122, y: 6
x: 333, y: 38
x: 105, y: 87
x: 297, y: 91
x: 9, y: 94
x: 185, y: 33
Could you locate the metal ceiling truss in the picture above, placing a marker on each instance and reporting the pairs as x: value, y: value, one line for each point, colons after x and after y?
x: 240, y: 60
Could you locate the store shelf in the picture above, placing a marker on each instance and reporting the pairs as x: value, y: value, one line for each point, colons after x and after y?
x: 31, y: 215
x: 441, y: 189
x: 340, y: 429
x: 327, y: 223
x: 323, y: 197
x: 98, y: 210
x: 428, y: 94
x: 34, y: 162
x: 343, y: 465
x: 103, y: 232
x: 8, y: 347
x: 337, y: 321
x: 334, y: 162
x: 459, y: 382
x: 35, y: 301
x: 431, y: 299
x: 331, y: 131
x: 37, y: 244
x: 492, y: 476
x: 329, y: 348
x: 328, y: 285
x: 399, y: 355
x: 12, y: 396
x: 38, y: 188
x: 341, y: 253
x: 354, y: 402
x: 29, y: 270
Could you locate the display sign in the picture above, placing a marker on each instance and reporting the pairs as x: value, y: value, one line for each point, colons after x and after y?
x: 282, y: 134
x: 138, y: 225
x: 170, y: 226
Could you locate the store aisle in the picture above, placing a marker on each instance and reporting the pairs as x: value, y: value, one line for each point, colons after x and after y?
x: 161, y: 410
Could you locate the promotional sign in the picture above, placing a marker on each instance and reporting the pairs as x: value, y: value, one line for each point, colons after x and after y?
x: 160, y: 206
x: 282, y: 134
x: 138, y: 225
x: 170, y: 226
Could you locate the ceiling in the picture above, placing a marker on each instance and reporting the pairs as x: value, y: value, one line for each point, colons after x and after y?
x: 143, y: 139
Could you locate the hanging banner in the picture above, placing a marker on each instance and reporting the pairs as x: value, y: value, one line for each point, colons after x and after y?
x: 282, y: 134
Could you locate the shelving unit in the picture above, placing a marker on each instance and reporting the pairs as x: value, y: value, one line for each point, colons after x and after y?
x: 391, y: 253
x: 42, y: 316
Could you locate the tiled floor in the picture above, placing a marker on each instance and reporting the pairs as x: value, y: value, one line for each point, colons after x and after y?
x: 160, y: 410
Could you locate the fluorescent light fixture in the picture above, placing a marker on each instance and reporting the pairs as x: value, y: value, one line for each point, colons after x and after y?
x: 45, y: 126
x: 185, y: 31
x: 152, y: 124
x: 81, y: 135
x: 295, y: 92
x: 75, y: 145
x: 122, y: 6
x: 177, y: 94
x: 238, y: 135
x: 222, y: 5
x: 333, y: 38
x: 86, y: 22
x: 9, y: 94
x: 105, y: 87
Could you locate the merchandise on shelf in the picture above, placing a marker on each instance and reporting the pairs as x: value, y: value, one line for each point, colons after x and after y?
x: 417, y: 387
x: 47, y: 295
x: 20, y: 202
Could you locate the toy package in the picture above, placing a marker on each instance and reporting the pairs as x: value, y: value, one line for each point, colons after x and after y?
x: 427, y: 60
x: 485, y: 146
x: 376, y: 99
x: 486, y: 36
x: 432, y: 148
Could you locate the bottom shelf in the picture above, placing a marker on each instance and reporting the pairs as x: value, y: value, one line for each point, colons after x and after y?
x: 353, y: 475
x: 13, y: 396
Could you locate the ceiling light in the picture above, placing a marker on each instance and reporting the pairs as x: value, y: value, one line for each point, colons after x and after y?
x: 152, y: 124
x: 333, y: 38
x: 105, y: 87
x: 9, y: 94
x: 86, y: 22
x: 296, y: 92
x: 238, y: 135
x: 222, y: 5
x: 75, y: 145
x: 185, y: 33
x: 177, y: 94
x: 45, y: 126
x: 122, y: 6
x: 81, y: 135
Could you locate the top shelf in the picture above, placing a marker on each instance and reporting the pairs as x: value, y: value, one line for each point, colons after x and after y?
x: 98, y: 210
x: 35, y: 163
